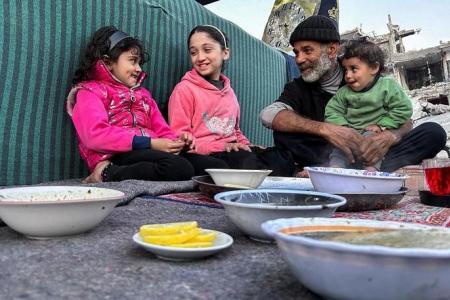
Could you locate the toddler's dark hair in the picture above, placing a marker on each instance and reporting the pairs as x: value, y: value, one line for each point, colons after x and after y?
x: 98, y: 48
x: 366, y: 51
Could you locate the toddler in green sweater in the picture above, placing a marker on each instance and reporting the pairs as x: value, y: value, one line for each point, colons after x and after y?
x: 369, y: 102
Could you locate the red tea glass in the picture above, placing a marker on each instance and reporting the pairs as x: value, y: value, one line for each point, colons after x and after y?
x: 437, y: 174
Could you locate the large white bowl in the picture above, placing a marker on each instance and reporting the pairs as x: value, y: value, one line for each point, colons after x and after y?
x: 238, y: 177
x: 338, y: 270
x: 352, y: 181
x: 54, y: 211
x: 248, y: 209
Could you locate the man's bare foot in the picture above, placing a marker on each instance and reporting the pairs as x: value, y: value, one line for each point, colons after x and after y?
x: 302, y: 174
x: 370, y: 169
x: 336, y: 166
x: 96, y: 175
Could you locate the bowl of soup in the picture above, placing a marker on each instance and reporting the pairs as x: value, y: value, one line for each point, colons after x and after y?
x: 364, y: 259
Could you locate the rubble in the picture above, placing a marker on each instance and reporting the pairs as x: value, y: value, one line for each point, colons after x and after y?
x: 428, y: 105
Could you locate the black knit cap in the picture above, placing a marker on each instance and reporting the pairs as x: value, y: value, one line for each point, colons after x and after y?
x: 315, y: 28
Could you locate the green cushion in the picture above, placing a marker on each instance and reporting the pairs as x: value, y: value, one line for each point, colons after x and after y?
x: 40, y: 46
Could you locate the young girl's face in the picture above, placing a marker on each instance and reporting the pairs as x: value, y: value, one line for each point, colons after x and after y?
x: 358, y: 73
x: 126, y: 68
x: 207, y: 55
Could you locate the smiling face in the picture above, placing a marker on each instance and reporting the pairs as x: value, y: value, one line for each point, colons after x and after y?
x: 358, y: 73
x: 207, y: 55
x: 126, y: 68
x: 314, y: 59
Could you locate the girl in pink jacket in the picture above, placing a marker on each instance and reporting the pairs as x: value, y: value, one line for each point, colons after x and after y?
x: 121, y: 132
x: 203, y: 105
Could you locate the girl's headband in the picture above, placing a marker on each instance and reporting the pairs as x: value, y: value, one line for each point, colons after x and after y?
x: 221, y: 33
x: 116, y: 37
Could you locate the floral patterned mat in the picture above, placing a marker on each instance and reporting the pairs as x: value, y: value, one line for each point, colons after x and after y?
x: 409, y: 209
x: 194, y: 198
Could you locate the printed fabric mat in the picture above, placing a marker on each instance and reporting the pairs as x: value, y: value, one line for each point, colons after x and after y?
x: 409, y: 209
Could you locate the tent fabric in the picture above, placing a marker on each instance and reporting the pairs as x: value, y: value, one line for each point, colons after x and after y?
x: 40, y: 46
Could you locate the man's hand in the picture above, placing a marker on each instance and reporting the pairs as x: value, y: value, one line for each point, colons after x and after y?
x: 346, y: 139
x: 236, y: 147
x: 167, y: 145
x: 373, y: 128
x: 375, y: 147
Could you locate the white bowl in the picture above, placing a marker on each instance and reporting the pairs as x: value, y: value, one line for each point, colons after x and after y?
x: 351, y: 181
x: 248, y: 209
x: 238, y: 177
x: 338, y: 270
x: 221, y: 242
x: 289, y: 183
x: 54, y: 211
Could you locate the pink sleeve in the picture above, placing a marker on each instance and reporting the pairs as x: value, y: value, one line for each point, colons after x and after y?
x: 239, y: 135
x: 91, y: 123
x: 158, y: 125
x: 208, y: 148
x: 181, y: 112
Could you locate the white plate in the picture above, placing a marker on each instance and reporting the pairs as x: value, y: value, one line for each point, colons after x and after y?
x: 294, y: 183
x: 221, y: 242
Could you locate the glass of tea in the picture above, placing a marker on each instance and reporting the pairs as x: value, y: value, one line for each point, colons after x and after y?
x: 437, y: 175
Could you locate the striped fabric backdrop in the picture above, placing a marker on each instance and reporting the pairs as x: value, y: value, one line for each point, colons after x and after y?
x: 40, y: 46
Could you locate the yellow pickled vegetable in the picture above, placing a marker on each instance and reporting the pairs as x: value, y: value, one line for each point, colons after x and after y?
x: 168, y: 228
x: 170, y: 239
x: 179, y: 234
x: 204, y: 236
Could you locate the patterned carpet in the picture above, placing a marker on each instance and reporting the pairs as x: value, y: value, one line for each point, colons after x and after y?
x: 194, y: 198
x: 409, y: 209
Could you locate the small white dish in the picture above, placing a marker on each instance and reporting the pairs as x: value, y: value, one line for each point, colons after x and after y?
x: 221, y: 242
x: 290, y: 183
x: 238, y: 177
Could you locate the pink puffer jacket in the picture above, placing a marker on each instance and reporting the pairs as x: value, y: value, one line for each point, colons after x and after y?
x: 107, y: 115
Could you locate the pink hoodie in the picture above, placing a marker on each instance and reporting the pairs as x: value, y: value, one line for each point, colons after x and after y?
x: 107, y: 115
x: 209, y: 115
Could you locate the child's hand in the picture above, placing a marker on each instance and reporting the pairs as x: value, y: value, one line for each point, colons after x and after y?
x: 374, y: 128
x: 188, y: 140
x: 236, y: 147
x: 167, y: 145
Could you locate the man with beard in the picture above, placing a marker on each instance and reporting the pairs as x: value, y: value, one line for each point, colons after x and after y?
x: 297, y: 118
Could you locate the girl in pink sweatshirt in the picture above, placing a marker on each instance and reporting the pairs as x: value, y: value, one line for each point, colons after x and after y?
x: 121, y: 132
x: 203, y: 105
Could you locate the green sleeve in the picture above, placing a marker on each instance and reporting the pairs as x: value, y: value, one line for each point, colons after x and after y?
x: 398, y: 106
x: 336, y: 109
